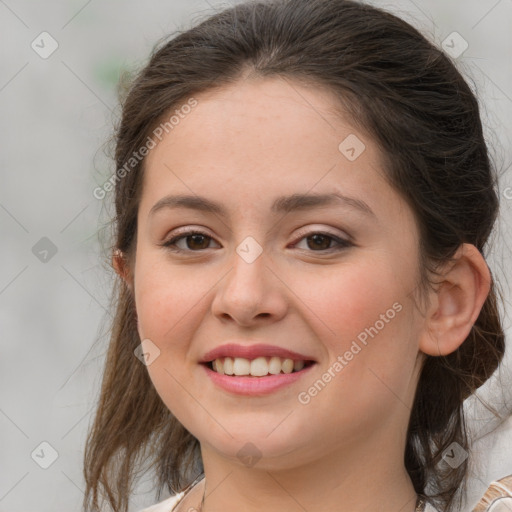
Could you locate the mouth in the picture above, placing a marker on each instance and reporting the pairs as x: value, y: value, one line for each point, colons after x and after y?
x: 258, y: 367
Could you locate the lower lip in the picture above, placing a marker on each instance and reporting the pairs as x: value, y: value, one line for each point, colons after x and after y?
x: 254, y: 386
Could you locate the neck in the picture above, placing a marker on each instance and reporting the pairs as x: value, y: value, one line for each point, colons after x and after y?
x: 342, y: 481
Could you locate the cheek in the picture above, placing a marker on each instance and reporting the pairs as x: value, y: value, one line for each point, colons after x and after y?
x: 363, y: 314
x: 169, y: 306
x: 349, y: 299
x: 167, y: 301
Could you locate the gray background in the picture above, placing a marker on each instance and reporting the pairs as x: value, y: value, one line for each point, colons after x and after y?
x: 56, y: 115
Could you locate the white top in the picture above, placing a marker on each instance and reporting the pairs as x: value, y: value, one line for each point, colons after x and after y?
x: 166, y: 505
x: 169, y: 504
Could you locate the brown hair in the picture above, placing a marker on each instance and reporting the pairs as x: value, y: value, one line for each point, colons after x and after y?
x: 403, y: 91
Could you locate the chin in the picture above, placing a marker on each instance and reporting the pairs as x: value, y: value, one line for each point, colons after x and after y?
x: 256, y: 448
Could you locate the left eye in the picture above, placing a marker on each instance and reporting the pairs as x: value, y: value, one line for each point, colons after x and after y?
x: 197, y: 240
x: 323, y: 241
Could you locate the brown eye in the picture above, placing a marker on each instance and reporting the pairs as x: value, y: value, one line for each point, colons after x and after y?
x: 323, y: 242
x: 319, y: 241
x: 194, y: 241
x: 197, y: 241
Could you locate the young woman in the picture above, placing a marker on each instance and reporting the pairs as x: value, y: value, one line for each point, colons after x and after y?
x: 303, y: 201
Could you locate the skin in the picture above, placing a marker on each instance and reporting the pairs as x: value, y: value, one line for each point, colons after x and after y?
x: 243, y: 146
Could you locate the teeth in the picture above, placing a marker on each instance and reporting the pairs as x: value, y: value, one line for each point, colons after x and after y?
x: 298, y: 365
x: 288, y: 366
x: 274, y: 365
x: 228, y: 366
x: 241, y: 366
x: 258, y: 367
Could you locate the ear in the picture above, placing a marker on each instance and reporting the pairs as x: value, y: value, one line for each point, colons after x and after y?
x: 456, y: 303
x: 122, y: 268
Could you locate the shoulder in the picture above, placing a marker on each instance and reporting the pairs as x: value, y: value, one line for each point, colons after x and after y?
x: 498, y: 497
x: 169, y: 504
x: 166, y: 505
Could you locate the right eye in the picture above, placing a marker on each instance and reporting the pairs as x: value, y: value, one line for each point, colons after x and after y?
x: 197, y: 241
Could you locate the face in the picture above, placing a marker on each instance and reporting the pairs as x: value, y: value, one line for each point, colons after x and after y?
x: 330, y: 280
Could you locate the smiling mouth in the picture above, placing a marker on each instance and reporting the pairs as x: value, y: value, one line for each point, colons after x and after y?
x: 258, y: 367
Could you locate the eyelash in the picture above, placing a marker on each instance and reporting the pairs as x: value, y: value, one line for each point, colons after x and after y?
x: 342, y: 244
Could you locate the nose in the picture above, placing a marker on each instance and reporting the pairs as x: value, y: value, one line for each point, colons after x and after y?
x: 250, y: 293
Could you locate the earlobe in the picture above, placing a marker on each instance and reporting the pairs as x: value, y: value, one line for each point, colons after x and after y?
x: 120, y: 265
x: 456, y: 303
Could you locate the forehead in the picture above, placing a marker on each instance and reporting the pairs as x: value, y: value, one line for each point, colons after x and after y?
x: 267, y: 115
x: 258, y: 139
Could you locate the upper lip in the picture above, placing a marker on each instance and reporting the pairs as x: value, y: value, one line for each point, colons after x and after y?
x: 252, y: 352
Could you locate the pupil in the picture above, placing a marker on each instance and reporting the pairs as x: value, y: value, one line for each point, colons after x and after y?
x: 194, y: 238
x: 319, y: 238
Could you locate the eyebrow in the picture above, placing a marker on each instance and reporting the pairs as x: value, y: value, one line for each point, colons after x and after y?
x: 282, y: 204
